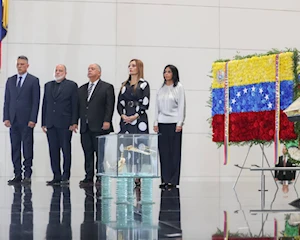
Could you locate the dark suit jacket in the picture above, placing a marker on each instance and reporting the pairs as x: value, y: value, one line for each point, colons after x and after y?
x: 60, y: 111
x: 284, y: 175
x: 23, y: 106
x: 99, y: 109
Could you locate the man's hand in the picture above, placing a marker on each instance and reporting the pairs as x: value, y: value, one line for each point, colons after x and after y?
x: 106, y: 126
x: 31, y: 124
x: 155, y: 128
x: 73, y: 128
x: 44, y: 129
x: 7, y: 123
x: 276, y: 179
x: 178, y: 129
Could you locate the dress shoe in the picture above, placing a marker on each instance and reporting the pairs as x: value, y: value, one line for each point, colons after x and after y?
x: 98, y: 181
x: 53, y: 182
x: 15, y: 180
x: 26, y: 181
x: 86, y: 182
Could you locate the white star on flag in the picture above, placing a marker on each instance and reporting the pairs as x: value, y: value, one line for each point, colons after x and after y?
x: 238, y: 94
x: 245, y: 90
x: 261, y: 90
x: 253, y: 89
x: 267, y: 97
x: 233, y: 101
x: 270, y: 105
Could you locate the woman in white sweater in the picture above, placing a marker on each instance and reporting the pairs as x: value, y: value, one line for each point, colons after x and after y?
x: 169, y: 119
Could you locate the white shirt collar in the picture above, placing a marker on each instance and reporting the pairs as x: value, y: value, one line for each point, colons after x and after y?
x: 23, y: 76
x: 95, y: 83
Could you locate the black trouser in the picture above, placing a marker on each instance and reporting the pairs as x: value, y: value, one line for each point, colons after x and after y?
x: 89, y: 142
x: 60, y: 138
x: 169, y: 146
x: 21, y: 134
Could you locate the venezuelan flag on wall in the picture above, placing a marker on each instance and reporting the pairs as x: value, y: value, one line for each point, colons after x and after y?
x: 252, y: 96
x: 4, y: 25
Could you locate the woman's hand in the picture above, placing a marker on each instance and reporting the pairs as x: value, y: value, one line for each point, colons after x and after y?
x: 155, y: 129
x: 178, y: 129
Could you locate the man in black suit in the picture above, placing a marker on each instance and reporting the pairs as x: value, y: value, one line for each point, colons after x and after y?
x: 20, y: 111
x: 284, y: 176
x: 59, y: 120
x: 96, y: 107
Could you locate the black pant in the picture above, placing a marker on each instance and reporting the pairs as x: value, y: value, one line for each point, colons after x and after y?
x: 169, y: 146
x: 89, y: 142
x: 60, y: 138
x: 21, y: 134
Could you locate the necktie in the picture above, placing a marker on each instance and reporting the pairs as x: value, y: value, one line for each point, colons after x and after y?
x: 90, y: 90
x: 284, y: 162
x: 19, y: 84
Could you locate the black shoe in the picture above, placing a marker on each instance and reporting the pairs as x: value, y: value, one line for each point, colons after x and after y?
x: 15, y: 180
x: 65, y: 182
x: 98, y: 181
x: 86, y: 182
x: 53, y: 182
x: 163, y: 185
x: 26, y: 181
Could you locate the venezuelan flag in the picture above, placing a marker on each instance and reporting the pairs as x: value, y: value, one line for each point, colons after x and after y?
x: 252, y: 98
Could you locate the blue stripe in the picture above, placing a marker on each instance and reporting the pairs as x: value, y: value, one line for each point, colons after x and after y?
x: 253, y: 98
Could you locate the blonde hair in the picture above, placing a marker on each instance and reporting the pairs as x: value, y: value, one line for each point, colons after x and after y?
x: 140, y: 68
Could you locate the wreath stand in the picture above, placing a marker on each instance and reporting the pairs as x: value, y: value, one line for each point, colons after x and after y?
x: 264, y: 160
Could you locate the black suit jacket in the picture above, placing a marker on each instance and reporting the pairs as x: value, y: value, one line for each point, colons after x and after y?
x: 99, y: 109
x: 284, y: 175
x: 60, y: 110
x: 23, y: 105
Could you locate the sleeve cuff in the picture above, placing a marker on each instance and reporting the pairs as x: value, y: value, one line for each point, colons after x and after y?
x: 155, y: 123
x: 179, y: 124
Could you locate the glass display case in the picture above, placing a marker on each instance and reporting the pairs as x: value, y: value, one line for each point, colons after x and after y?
x: 128, y: 155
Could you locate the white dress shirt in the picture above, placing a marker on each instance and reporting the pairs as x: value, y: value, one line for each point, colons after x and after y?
x: 95, y: 84
x: 22, y: 80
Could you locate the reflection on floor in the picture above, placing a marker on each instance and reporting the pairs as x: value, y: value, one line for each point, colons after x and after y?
x: 201, y: 209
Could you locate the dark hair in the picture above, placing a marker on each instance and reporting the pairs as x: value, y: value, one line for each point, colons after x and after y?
x: 175, y: 74
x: 23, y: 57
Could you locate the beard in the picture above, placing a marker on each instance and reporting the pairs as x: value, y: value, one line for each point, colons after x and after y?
x: 59, y: 78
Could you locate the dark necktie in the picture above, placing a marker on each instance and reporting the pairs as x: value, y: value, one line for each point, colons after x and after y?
x: 90, y: 90
x: 19, y: 84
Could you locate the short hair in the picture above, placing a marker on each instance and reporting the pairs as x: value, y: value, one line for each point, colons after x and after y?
x: 63, y: 66
x: 23, y: 58
x: 98, y: 66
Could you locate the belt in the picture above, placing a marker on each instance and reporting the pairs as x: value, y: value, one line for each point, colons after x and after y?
x: 132, y: 103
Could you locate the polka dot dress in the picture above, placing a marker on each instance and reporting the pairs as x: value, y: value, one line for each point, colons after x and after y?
x: 132, y: 101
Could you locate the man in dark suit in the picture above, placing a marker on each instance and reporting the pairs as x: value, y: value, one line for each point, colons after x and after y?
x: 96, y: 107
x: 59, y: 120
x: 21, y: 106
x: 284, y: 176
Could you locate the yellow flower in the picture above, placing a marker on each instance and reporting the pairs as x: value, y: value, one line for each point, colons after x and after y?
x: 254, y: 70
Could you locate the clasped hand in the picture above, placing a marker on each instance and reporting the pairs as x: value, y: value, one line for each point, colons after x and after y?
x: 130, y: 119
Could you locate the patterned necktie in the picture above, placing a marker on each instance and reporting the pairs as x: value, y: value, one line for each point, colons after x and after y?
x: 19, y: 84
x: 90, y: 90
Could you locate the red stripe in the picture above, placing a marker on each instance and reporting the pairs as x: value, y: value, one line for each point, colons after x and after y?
x: 252, y: 126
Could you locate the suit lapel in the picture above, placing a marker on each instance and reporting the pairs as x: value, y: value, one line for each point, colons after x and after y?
x: 98, y: 86
x: 60, y: 88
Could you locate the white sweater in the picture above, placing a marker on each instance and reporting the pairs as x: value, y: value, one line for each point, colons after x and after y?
x: 170, y: 105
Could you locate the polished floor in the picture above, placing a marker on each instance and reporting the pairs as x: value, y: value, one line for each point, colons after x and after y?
x: 200, y: 209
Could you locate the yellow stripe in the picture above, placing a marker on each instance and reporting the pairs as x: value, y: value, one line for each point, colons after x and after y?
x: 254, y: 70
x: 5, y: 13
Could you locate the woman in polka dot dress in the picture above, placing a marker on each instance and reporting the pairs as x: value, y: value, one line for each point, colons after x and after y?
x: 133, y: 101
